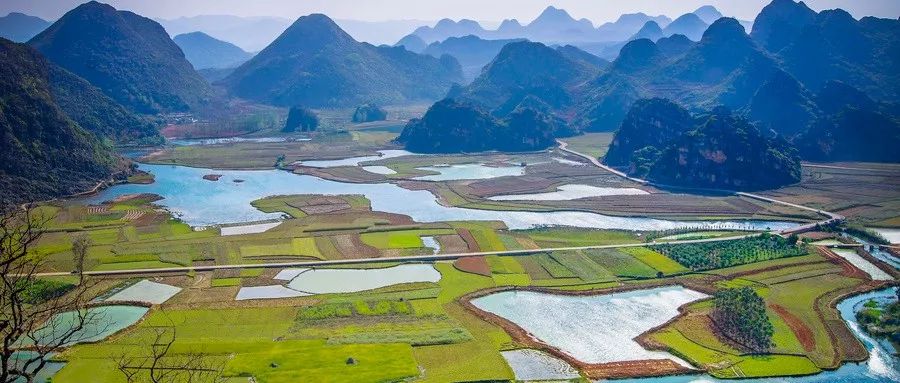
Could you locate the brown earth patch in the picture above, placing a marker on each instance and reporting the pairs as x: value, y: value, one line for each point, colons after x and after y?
x: 803, y: 333
x: 350, y: 247
x: 474, y: 265
x: 452, y: 244
x: 466, y: 236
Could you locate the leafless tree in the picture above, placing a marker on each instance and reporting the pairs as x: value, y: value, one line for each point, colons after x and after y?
x: 80, y: 245
x: 157, y: 363
x: 31, y: 328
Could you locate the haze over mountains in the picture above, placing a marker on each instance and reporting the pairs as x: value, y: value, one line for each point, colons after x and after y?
x: 20, y: 27
x: 315, y: 63
x: 204, y: 51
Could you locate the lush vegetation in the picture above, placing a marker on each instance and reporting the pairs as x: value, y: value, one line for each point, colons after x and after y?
x: 300, y: 119
x: 451, y: 126
x: 369, y: 112
x: 45, y: 154
x: 43, y: 289
x: 741, y: 316
x: 652, y: 123
x: 713, y: 255
x: 726, y: 152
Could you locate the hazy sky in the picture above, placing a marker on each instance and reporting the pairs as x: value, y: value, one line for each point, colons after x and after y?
x: 598, y: 11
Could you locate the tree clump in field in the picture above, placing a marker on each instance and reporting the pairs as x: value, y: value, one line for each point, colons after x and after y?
x: 301, y: 119
x: 740, y: 315
x: 715, y: 255
x: 368, y: 113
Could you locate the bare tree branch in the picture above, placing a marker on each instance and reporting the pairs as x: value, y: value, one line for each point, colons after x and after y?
x: 42, y: 325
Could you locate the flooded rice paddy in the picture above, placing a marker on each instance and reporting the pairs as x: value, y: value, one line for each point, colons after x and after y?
x: 230, y: 140
x: 570, y: 192
x: 355, y: 161
x: 863, y: 264
x: 592, y: 329
x: 378, y: 169
x: 529, y: 365
x: 309, y: 281
x: 469, y: 172
x: 103, y: 322
x: 329, y: 281
x: 203, y: 203
x: 248, y: 229
x: 145, y: 291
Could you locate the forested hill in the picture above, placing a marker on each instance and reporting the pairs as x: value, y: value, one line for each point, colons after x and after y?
x: 43, y: 152
x: 315, y: 63
x: 129, y: 57
x: 663, y: 142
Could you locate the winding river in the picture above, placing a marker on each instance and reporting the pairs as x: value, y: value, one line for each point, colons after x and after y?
x: 200, y: 203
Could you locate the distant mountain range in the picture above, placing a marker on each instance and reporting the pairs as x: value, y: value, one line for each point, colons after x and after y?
x: 20, y: 27
x: 472, y: 52
x: 781, y: 78
x: 205, y: 52
x: 556, y: 26
x: 129, y: 57
x: 316, y: 64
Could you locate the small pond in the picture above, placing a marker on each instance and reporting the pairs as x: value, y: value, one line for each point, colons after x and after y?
x: 592, y: 329
x: 355, y: 161
x: 202, y: 203
x: 881, y: 367
x: 469, y: 172
x: 146, y: 291
x: 328, y: 281
x: 104, y: 321
x: 570, y: 192
x: 530, y: 365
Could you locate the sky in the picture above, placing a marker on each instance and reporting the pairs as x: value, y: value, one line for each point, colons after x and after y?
x: 598, y: 11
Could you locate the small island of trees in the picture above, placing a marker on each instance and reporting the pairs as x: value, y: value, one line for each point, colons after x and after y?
x: 740, y: 315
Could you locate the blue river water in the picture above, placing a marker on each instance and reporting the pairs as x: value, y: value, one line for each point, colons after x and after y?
x: 199, y: 202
